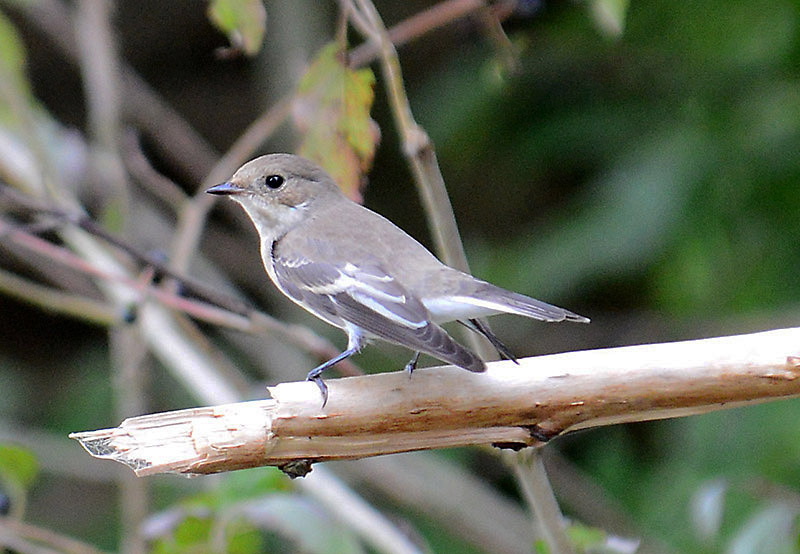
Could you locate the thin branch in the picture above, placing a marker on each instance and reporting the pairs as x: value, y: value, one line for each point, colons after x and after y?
x: 452, y: 496
x: 250, y: 321
x: 86, y: 223
x: 57, y: 301
x: 100, y: 66
x: 531, y: 475
x: 419, y: 24
x: 129, y: 366
x: 510, y: 406
x: 175, y: 139
x: 193, y: 217
x: 375, y: 528
x: 417, y: 145
x: 25, y: 537
x: 589, y: 503
x: 507, y: 53
x: 100, y: 69
x: 137, y: 164
x: 251, y: 140
x: 420, y: 153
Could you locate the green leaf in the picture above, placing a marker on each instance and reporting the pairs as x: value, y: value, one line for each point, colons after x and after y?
x: 331, y: 110
x: 191, y: 534
x: 193, y: 531
x: 244, y: 538
x: 12, y: 52
x: 252, y: 483
x: 243, y: 21
x: 18, y: 466
x: 12, y: 69
x: 609, y: 16
x: 585, y: 538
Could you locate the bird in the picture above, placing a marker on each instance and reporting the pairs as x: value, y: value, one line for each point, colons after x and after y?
x: 358, y: 271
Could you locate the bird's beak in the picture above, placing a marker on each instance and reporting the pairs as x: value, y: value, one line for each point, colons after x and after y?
x: 225, y: 189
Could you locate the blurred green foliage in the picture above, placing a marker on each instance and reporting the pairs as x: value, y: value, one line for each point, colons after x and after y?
x: 679, y: 141
x: 248, y: 512
x: 658, y: 173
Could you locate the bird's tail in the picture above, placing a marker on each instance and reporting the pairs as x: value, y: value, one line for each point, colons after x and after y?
x: 492, y: 297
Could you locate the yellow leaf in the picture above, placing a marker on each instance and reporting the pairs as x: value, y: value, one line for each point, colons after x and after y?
x: 331, y: 110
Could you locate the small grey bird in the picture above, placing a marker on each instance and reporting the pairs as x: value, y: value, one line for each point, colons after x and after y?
x: 356, y: 270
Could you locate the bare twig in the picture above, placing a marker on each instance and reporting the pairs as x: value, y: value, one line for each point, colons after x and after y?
x: 507, y: 53
x: 128, y: 361
x: 511, y: 406
x: 591, y: 504
x: 175, y: 139
x: 419, y: 151
x: 137, y: 164
x: 82, y: 221
x: 438, y: 15
x: 101, y: 70
x: 367, y: 521
x: 248, y: 320
x: 417, y: 145
x: 452, y: 496
x: 100, y: 66
x: 24, y: 537
x: 50, y: 299
x: 192, y: 217
x: 257, y: 133
x: 251, y: 140
x: 539, y: 496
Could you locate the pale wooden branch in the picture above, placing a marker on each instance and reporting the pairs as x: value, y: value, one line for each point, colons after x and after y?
x: 508, y: 405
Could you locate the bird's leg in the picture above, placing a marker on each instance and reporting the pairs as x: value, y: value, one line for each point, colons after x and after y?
x: 314, y: 374
x: 480, y: 327
x: 412, y: 364
x: 355, y: 341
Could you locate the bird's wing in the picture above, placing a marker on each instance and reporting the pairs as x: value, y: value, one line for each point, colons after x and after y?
x: 371, y: 299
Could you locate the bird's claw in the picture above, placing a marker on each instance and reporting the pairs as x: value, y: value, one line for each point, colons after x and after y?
x: 323, y: 388
x: 412, y: 364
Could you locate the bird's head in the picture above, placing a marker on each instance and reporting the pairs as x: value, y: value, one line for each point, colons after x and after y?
x: 277, y: 191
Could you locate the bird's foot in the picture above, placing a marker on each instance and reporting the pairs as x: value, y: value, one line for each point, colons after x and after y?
x: 323, y: 388
x: 412, y: 364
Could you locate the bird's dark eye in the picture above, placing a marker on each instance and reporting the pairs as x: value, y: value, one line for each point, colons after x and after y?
x: 274, y: 181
